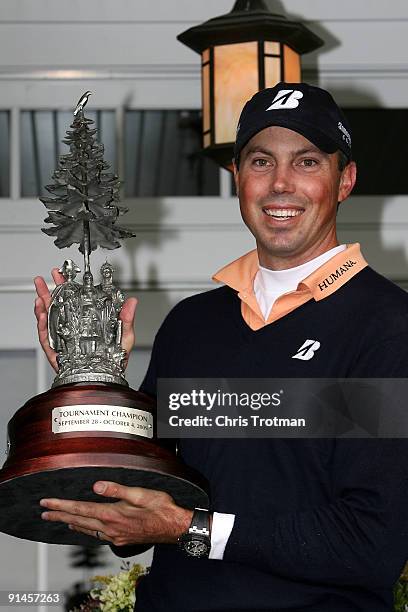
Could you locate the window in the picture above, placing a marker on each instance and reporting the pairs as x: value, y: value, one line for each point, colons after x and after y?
x: 163, y: 155
x: 162, y: 151
x: 380, y: 148
x: 42, y: 132
x: 4, y: 153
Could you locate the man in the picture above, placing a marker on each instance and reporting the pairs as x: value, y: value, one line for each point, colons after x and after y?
x: 296, y: 524
x: 110, y: 302
x: 60, y: 309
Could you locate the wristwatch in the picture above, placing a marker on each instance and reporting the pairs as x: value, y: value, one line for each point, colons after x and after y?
x: 196, y: 542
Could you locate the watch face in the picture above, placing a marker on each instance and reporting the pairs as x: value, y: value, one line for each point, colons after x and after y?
x: 196, y: 548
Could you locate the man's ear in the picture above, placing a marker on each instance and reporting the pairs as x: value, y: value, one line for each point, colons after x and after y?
x: 236, y: 176
x: 347, y: 181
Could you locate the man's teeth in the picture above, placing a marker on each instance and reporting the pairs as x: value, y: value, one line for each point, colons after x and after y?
x: 282, y: 212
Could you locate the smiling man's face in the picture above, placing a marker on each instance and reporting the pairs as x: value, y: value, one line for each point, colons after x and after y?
x: 288, y: 192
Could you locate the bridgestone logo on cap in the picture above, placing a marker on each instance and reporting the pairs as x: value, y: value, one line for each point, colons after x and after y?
x: 286, y: 98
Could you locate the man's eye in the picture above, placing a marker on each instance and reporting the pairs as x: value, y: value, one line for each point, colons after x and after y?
x: 309, y: 163
x: 260, y: 162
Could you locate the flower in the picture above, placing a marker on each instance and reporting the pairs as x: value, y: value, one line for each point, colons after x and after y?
x: 114, y: 593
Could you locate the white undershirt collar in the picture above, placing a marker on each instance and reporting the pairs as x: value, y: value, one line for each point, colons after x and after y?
x: 270, y: 284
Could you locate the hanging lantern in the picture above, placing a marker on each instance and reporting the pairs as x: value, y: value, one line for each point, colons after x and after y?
x: 242, y: 52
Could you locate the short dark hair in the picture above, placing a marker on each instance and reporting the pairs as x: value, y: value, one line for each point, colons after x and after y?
x: 342, y: 160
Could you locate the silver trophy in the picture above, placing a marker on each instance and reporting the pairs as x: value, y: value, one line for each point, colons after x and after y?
x: 90, y: 425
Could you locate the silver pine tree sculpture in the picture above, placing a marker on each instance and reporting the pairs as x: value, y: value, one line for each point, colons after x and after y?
x: 84, y: 209
x: 83, y: 319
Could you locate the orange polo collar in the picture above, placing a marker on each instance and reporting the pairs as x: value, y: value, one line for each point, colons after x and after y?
x: 324, y: 281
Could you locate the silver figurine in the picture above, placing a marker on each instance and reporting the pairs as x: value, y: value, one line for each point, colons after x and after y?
x: 84, y: 328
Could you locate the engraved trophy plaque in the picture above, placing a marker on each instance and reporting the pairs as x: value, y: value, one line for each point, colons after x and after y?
x: 90, y: 425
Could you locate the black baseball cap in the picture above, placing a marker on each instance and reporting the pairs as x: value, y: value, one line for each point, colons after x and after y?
x: 303, y: 108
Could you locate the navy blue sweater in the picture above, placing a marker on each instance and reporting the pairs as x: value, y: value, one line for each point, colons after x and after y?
x: 321, y: 524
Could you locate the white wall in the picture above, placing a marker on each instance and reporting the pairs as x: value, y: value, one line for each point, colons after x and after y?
x: 126, y: 53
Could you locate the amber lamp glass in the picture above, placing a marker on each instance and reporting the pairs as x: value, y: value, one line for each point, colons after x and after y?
x: 231, y: 74
x: 243, y: 52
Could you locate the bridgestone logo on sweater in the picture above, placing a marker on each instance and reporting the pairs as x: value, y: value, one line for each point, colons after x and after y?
x: 329, y: 280
x: 307, y: 350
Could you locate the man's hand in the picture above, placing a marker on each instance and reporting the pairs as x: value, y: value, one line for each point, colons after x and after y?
x: 42, y: 304
x: 142, y: 516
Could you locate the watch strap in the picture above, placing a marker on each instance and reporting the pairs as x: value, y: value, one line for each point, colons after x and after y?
x: 200, y: 523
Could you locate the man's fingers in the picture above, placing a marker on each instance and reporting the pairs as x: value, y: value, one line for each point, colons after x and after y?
x: 41, y: 306
x: 99, y: 535
x: 42, y: 290
x: 42, y: 322
x: 89, y: 510
x: 57, y: 276
x: 127, y: 316
x: 73, y: 519
x: 113, y: 489
x: 136, y: 496
x: 42, y: 329
x: 42, y: 287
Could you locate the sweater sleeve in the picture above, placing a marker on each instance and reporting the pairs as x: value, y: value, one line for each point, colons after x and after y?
x: 361, y: 537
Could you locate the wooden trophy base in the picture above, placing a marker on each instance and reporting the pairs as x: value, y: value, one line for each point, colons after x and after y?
x: 43, y: 463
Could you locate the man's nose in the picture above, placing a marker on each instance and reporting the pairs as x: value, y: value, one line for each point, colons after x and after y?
x: 281, y: 179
